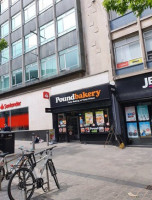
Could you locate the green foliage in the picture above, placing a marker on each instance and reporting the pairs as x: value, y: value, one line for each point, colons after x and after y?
x: 121, y: 6
x: 3, y: 44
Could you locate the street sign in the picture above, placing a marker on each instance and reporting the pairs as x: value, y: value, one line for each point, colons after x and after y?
x: 48, y: 110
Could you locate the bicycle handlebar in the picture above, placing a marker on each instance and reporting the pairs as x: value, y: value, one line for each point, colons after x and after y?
x: 49, y: 149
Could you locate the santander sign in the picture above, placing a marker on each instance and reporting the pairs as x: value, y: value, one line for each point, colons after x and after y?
x: 10, y: 105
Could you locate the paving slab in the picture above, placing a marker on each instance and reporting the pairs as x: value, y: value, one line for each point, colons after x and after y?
x: 92, y: 172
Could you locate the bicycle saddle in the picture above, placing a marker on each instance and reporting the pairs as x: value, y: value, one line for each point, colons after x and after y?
x: 2, y: 155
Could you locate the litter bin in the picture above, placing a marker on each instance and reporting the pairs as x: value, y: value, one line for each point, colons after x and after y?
x: 7, y: 142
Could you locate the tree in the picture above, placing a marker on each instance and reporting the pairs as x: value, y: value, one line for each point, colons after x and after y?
x: 3, y: 44
x: 121, y: 6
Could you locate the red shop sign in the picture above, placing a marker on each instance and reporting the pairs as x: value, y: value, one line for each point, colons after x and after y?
x: 10, y: 105
x: 46, y: 95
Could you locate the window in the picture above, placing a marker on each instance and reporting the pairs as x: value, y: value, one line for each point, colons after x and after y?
x: 4, y: 5
x: 17, y: 49
x: 29, y: 12
x: 148, y: 44
x: 4, y: 29
x: 47, y: 32
x: 4, y: 82
x: 66, y: 22
x: 48, y: 66
x: 58, y: 1
x: 69, y: 58
x: 30, y: 42
x: 16, y: 119
x: 5, y: 55
x: 16, y: 21
x: 16, y: 77
x: 127, y: 52
x: 31, y: 72
x: 14, y: 1
x: 44, y: 4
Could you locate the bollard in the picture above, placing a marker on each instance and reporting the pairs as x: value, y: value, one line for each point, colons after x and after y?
x: 47, y: 137
x: 33, y: 141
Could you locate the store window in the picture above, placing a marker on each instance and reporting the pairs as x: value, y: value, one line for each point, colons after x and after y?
x: 127, y: 52
x: 17, y: 49
x: 17, y: 77
x: 5, y: 55
x: 31, y: 72
x: 66, y: 22
x: 47, y: 32
x: 95, y: 121
x: 43, y: 5
x: 17, y: 119
x: 48, y: 66
x: 30, y: 42
x: 139, y: 120
x: 4, y: 29
x: 4, y: 5
x: 69, y: 59
x: 4, y: 82
x: 29, y: 12
x: 148, y: 44
x: 62, y: 123
x: 16, y: 21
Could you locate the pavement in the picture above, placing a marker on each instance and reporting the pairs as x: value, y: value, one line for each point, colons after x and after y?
x: 95, y: 172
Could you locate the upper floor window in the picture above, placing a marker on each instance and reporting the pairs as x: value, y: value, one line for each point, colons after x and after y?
x: 127, y: 52
x: 4, y: 29
x: 29, y: 12
x: 66, y: 22
x: 31, y: 72
x: 16, y: 21
x: 17, y: 49
x: 14, y: 1
x: 16, y: 77
x: 4, y: 82
x: 148, y: 44
x: 48, y: 66
x: 47, y: 32
x: 5, y: 55
x: 4, y: 5
x: 58, y: 1
x: 30, y: 42
x: 44, y: 4
x: 69, y: 58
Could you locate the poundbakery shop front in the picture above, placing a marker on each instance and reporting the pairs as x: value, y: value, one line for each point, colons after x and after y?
x: 83, y: 115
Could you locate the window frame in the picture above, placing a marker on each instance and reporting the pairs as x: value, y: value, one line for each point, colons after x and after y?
x: 13, y: 17
x: 31, y: 66
x: 147, y: 37
x: 44, y: 60
x: 44, y: 9
x: 14, y: 73
x: 4, y: 24
x: 43, y: 28
x: 27, y: 37
x: 26, y: 8
x: 61, y: 17
x: 13, y: 45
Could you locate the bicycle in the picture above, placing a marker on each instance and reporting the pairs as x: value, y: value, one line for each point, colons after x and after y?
x: 25, y: 180
x: 7, y: 158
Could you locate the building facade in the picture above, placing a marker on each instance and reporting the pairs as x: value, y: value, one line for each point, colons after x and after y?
x: 58, y: 60
x: 131, y: 47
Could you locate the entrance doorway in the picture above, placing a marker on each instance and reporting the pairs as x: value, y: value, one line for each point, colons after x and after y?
x: 73, y: 127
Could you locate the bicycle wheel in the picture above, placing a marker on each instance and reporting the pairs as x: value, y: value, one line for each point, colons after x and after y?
x: 21, y: 185
x: 2, y: 172
x: 53, y: 172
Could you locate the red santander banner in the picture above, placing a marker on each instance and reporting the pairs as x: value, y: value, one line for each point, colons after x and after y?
x: 10, y: 105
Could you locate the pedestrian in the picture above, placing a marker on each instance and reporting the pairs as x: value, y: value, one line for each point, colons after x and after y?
x: 6, y: 128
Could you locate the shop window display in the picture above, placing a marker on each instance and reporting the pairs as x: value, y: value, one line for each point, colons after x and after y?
x: 96, y: 121
x: 62, y: 123
x: 138, y: 120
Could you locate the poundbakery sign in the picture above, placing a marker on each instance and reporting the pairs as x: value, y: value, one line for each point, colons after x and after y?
x: 81, y: 96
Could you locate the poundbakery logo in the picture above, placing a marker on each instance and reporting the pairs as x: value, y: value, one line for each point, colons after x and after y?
x: 10, y: 105
x: 79, y: 97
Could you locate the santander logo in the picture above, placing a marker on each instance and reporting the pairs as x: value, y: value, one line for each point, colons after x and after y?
x: 10, y: 105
